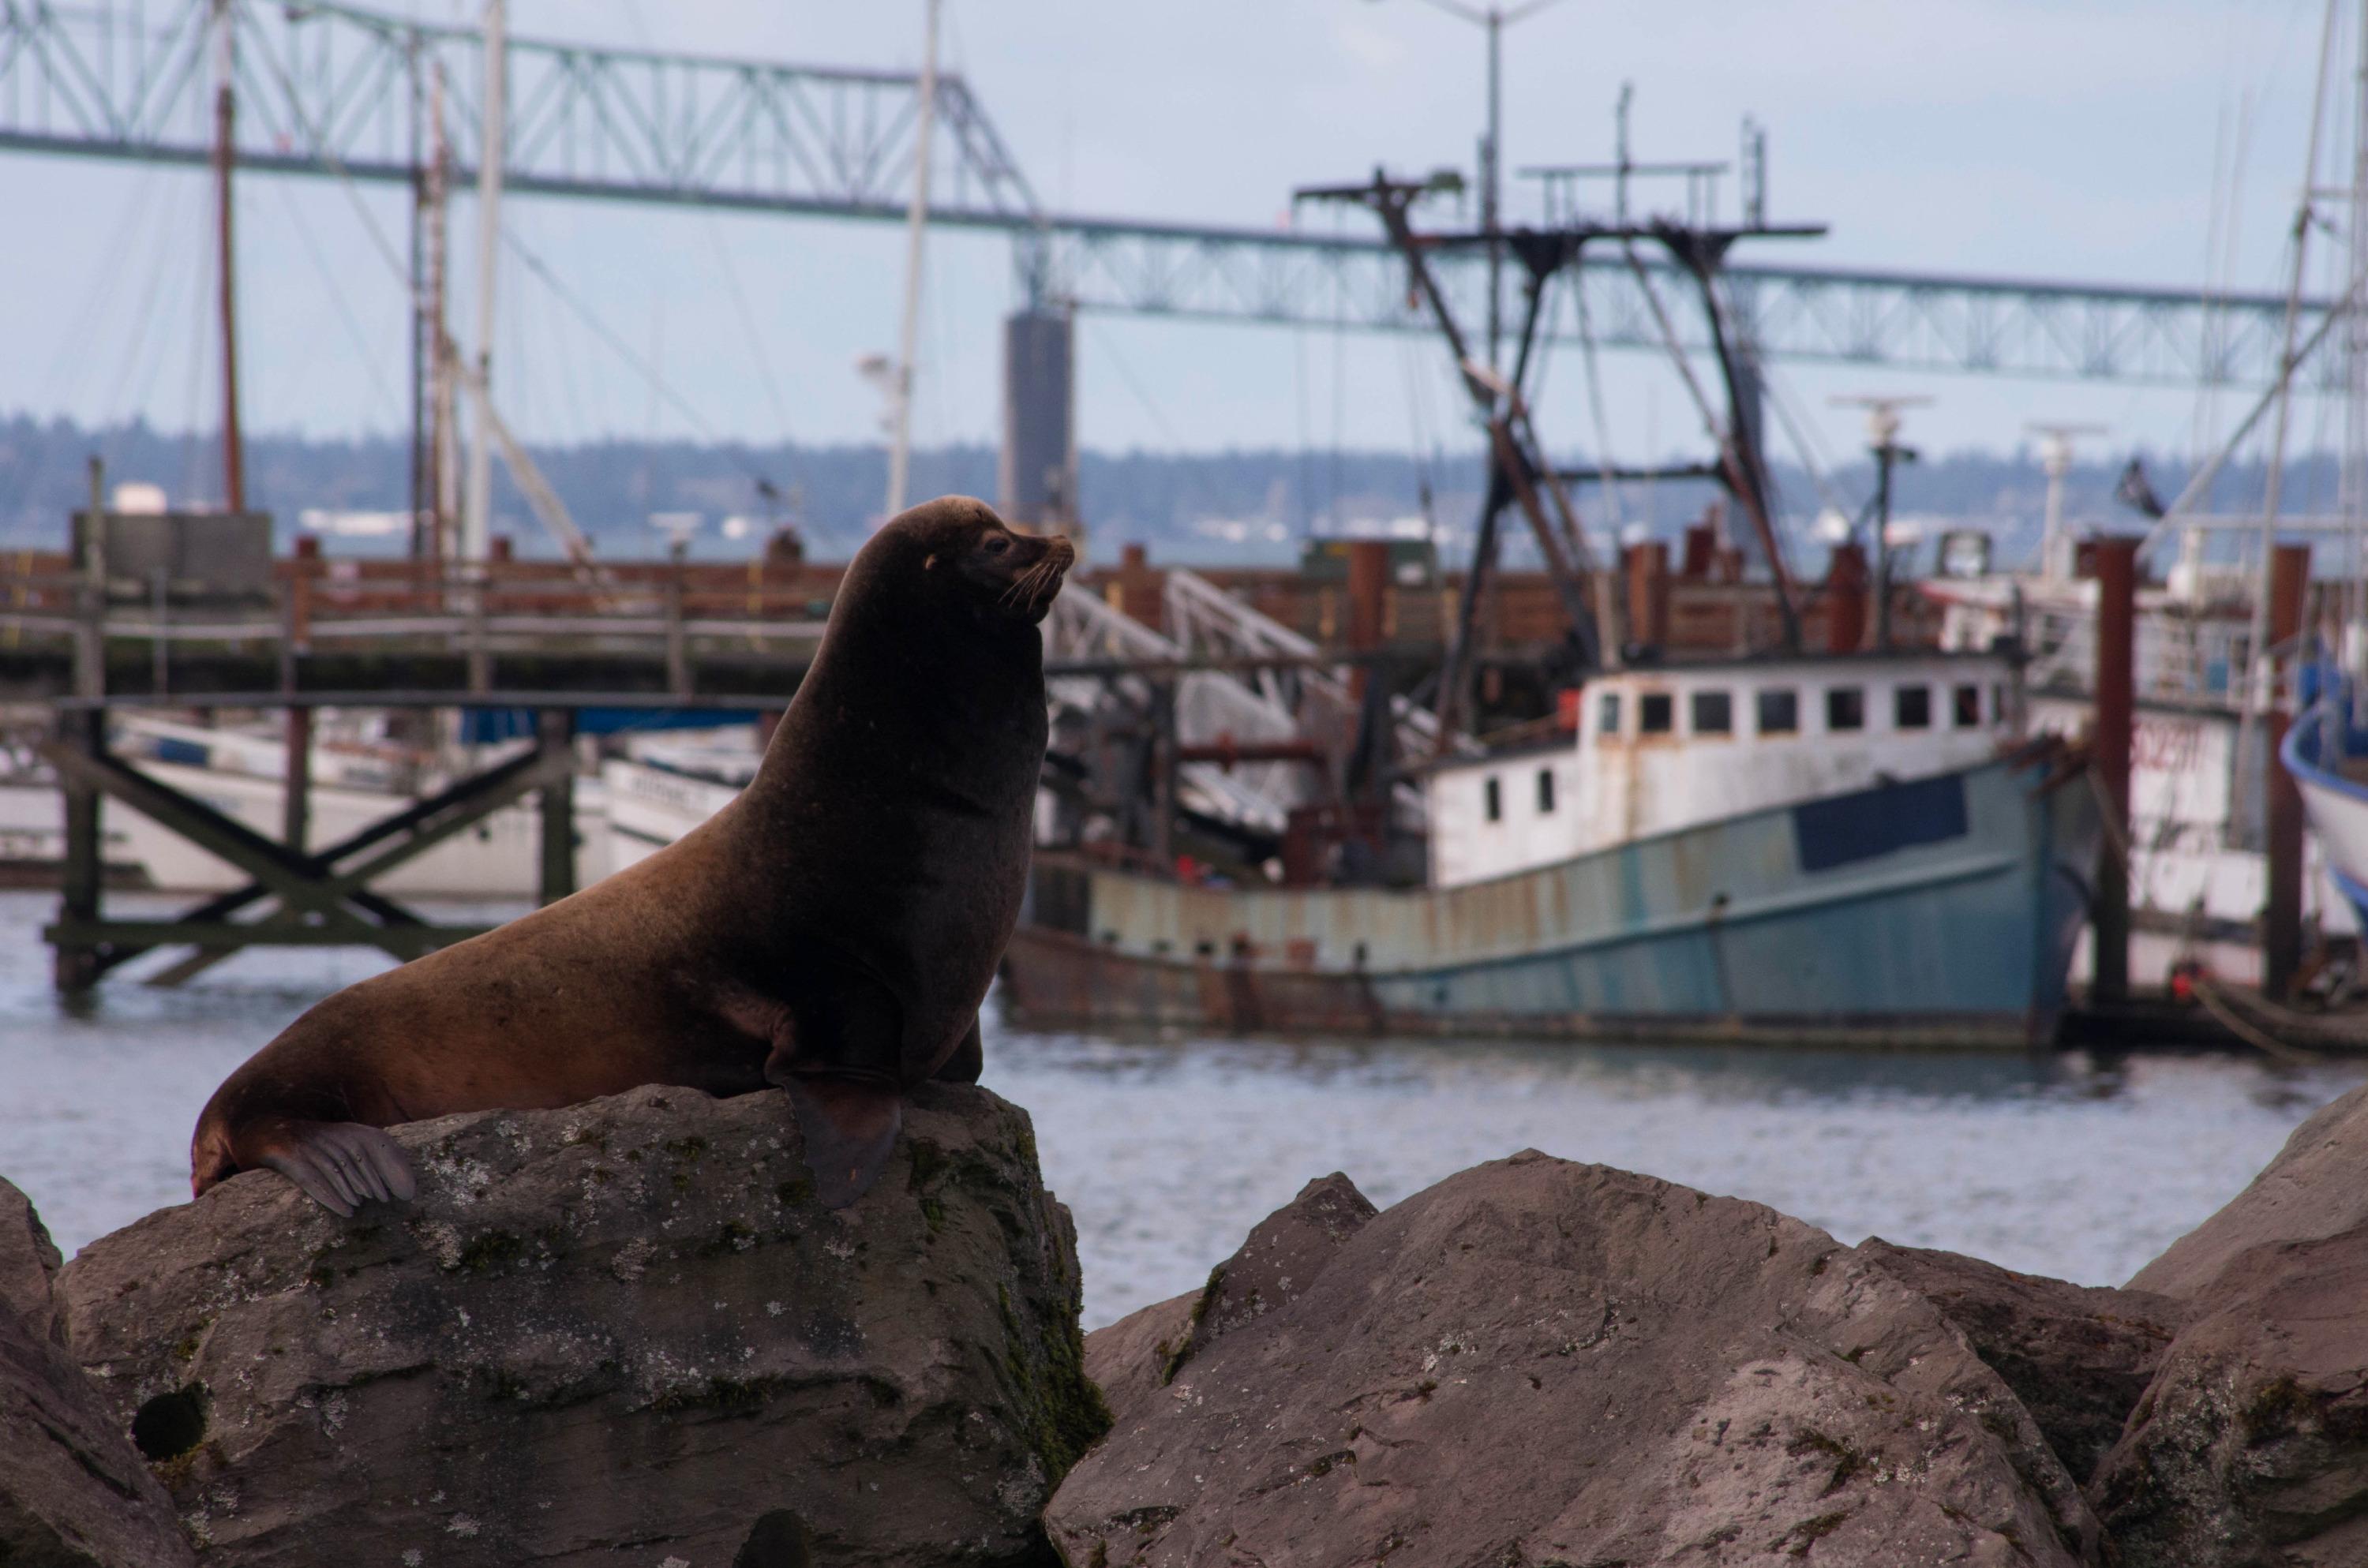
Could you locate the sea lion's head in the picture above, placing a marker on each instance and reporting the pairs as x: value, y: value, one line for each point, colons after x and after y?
x: 965, y: 552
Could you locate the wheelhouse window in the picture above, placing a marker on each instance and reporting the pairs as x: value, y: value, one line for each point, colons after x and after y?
x: 1657, y: 714
x: 1966, y: 703
x: 1779, y: 711
x: 1546, y: 792
x: 1911, y: 708
x: 1713, y: 713
x: 1845, y: 708
x: 1607, y: 713
x: 1492, y: 799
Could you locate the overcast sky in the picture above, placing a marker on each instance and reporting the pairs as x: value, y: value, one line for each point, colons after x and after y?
x: 2102, y: 141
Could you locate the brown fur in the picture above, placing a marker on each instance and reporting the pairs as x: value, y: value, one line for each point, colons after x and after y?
x: 833, y: 930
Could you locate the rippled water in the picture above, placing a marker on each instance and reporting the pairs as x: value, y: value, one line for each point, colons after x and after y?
x: 1167, y: 1151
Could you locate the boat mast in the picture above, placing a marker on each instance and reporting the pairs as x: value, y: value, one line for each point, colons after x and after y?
x: 423, y: 474
x: 2305, y: 215
x: 225, y: 254
x: 443, y: 495
x: 917, y: 220
x: 476, y: 520
x: 2354, y: 507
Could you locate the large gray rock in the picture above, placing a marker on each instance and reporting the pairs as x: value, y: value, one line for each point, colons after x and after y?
x: 28, y: 1265
x: 2078, y: 1356
x: 621, y: 1332
x: 73, y: 1494
x: 1143, y: 1352
x: 1536, y: 1362
x: 2316, y: 1187
x: 2251, y: 1448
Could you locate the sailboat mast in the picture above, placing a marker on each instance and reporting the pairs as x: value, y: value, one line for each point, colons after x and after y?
x: 2255, y: 659
x: 2355, y: 381
x: 917, y: 221
x: 423, y: 479
x: 443, y: 498
x: 225, y: 255
x: 477, y: 521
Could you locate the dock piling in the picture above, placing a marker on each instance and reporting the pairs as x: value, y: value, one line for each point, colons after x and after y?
x: 554, y: 734
x: 2281, y: 920
x: 2117, y: 568
x: 75, y: 965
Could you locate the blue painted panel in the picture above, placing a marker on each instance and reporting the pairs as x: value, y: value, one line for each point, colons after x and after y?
x: 1844, y: 828
x: 189, y: 754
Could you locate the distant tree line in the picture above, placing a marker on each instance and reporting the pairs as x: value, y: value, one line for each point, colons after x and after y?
x: 1212, y: 505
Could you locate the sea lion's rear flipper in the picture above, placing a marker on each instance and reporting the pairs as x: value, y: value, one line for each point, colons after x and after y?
x: 338, y: 1164
x: 848, y: 1125
x: 968, y: 1061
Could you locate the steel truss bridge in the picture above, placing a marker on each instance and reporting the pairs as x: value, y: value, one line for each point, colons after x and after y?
x: 327, y: 89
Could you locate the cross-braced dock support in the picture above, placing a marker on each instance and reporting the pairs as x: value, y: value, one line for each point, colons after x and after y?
x: 322, y: 898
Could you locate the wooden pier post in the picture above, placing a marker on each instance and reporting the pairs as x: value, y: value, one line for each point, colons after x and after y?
x: 1163, y: 775
x: 677, y: 646
x: 296, y: 778
x: 554, y: 731
x: 75, y: 963
x: 2281, y: 920
x: 1369, y: 592
x: 1648, y: 593
x: 2117, y: 575
x: 1846, y: 596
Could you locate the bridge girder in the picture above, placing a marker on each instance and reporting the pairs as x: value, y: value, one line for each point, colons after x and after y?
x: 328, y: 88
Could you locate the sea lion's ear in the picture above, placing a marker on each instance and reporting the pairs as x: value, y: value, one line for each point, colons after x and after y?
x: 849, y: 1126
x: 928, y: 560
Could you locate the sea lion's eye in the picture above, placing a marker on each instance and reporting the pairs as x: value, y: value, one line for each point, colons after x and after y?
x: 996, y: 543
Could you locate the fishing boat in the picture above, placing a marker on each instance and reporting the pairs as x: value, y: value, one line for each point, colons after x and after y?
x: 1746, y: 852
x: 1782, y: 846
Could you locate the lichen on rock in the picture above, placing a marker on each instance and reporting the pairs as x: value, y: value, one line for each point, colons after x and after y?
x: 626, y: 1321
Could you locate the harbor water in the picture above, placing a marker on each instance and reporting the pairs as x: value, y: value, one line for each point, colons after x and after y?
x: 2077, y: 1165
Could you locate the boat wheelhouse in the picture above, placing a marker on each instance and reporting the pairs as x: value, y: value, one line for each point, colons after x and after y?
x: 1658, y: 748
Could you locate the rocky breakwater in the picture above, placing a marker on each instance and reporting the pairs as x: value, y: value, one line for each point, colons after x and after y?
x: 1542, y: 1362
x: 1538, y: 1363
x: 73, y: 1494
x: 621, y: 1332
x: 2248, y: 1448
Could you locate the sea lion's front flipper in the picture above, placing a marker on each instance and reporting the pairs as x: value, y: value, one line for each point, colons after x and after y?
x: 338, y: 1164
x: 849, y: 1125
x: 968, y: 1061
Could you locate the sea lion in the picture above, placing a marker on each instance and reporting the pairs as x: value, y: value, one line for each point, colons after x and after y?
x: 831, y: 931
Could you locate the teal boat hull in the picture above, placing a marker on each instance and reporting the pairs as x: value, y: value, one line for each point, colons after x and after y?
x: 1933, y: 912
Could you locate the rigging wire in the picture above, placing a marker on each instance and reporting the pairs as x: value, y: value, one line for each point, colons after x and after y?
x: 377, y: 237
x: 74, y: 360
x: 138, y: 358
x: 660, y: 391
x: 749, y: 335
x: 1126, y: 378
x: 1610, y: 488
x: 1306, y: 457
x: 1420, y: 427
x: 1803, y: 435
x: 1339, y: 407
x: 201, y: 320
x: 362, y: 349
